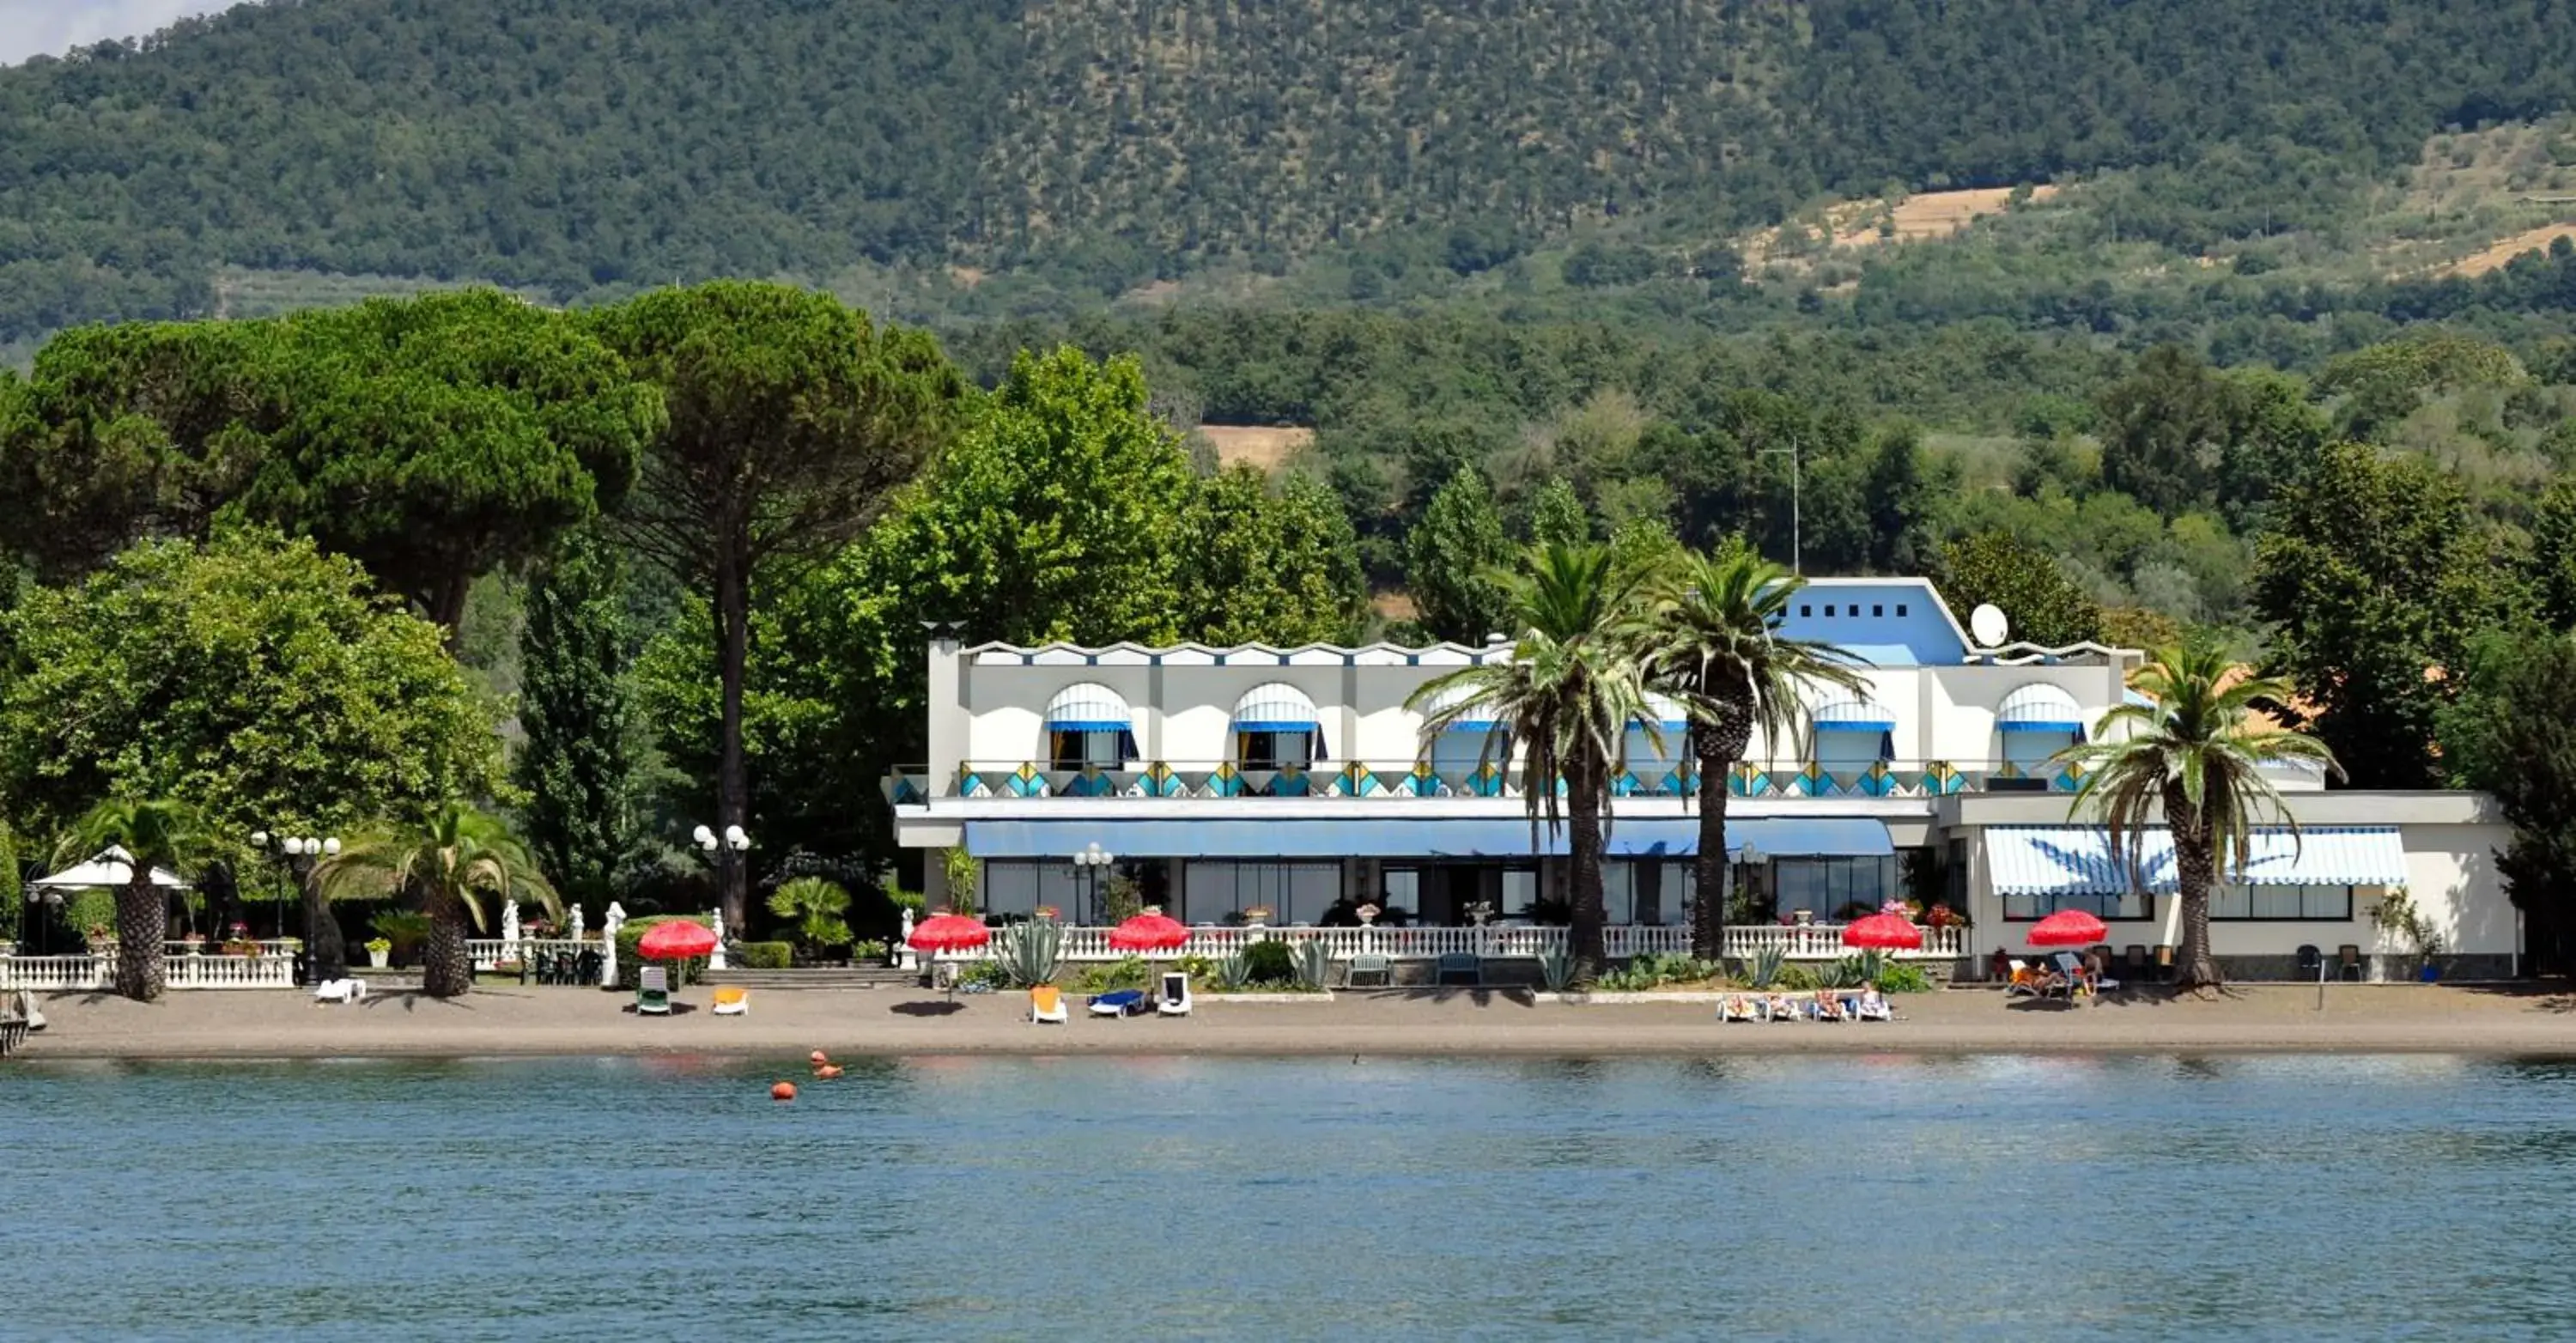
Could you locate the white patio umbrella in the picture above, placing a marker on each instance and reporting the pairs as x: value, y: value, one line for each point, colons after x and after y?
x: 110, y: 867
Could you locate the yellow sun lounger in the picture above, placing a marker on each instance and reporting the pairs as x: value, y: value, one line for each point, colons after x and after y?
x: 1046, y: 1003
x: 732, y: 1000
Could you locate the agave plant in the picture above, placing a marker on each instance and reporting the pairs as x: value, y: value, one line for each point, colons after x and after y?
x: 1762, y: 968
x: 1314, y: 965
x: 1031, y: 953
x: 1555, y: 967
x: 1233, y: 972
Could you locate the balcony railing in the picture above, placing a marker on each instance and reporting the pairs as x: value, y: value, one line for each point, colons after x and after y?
x: 913, y: 785
x: 1816, y: 942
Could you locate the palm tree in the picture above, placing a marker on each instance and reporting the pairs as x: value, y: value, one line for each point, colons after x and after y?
x: 2192, y: 755
x: 1570, y: 690
x: 158, y: 832
x: 814, y: 907
x: 454, y: 859
x: 1712, y: 641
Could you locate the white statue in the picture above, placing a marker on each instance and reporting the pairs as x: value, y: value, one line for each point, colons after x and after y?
x: 715, y: 959
x: 608, y: 925
x: 576, y: 923
x: 509, y: 930
x: 903, y: 945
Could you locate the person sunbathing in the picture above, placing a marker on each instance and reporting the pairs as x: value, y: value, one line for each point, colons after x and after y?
x: 1780, y: 1008
x: 1828, y: 1006
x: 1873, y: 1005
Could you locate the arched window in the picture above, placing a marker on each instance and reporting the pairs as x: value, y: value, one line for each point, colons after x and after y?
x: 1276, y: 727
x: 2034, y: 723
x: 1852, y: 733
x: 1089, y: 726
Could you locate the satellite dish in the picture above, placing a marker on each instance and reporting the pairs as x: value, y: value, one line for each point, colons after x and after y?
x: 1987, y: 623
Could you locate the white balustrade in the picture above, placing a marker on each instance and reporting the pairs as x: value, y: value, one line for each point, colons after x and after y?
x: 488, y: 952
x: 1810, y: 942
x: 95, y: 972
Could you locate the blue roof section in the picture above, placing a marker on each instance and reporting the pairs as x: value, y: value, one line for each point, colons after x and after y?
x: 1880, y: 622
x: 1776, y: 837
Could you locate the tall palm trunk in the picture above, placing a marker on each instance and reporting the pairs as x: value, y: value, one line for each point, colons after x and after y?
x: 1583, y: 787
x: 2195, y: 872
x: 446, y: 971
x: 1716, y: 746
x: 328, y: 952
x: 142, y: 925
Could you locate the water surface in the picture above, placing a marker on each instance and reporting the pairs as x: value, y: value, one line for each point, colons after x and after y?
x: 1802, y: 1198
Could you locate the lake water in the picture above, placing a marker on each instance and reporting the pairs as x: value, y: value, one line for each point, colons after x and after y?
x: 1292, y: 1199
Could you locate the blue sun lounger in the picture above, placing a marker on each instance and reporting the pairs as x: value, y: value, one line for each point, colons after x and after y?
x: 1124, y: 1002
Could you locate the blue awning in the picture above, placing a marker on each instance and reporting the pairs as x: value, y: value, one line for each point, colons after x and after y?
x: 2079, y: 859
x: 1275, y: 706
x: 1087, y: 706
x: 1853, y: 714
x: 2039, y: 707
x: 1774, y: 837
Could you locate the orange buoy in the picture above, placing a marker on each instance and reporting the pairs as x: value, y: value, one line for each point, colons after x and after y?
x: 784, y: 1091
x: 828, y: 1071
x: 817, y: 1058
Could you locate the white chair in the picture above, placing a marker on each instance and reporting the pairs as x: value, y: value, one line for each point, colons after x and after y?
x: 653, y: 990
x: 1176, y: 995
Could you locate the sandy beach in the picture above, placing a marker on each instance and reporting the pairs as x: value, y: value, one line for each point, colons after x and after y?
x: 497, y: 1021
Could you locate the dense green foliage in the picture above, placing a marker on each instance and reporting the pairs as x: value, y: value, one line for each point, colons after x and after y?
x: 433, y: 439
x: 2510, y: 735
x: 583, y: 147
x: 258, y: 681
x: 577, y: 764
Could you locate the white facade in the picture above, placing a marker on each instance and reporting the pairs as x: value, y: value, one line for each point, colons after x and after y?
x: 1294, y: 783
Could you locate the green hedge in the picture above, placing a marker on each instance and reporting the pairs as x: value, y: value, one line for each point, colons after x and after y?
x: 766, y: 955
x: 630, y: 956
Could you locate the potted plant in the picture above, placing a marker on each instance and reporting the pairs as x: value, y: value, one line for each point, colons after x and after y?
x: 380, y: 952
x: 1255, y: 916
x: 2397, y: 917
x: 1048, y: 914
x: 192, y: 943
x: 1367, y: 915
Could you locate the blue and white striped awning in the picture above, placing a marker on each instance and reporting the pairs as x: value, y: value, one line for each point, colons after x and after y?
x: 1477, y: 718
x: 2040, y: 707
x: 1275, y: 706
x: 1088, y: 706
x: 2080, y: 860
x: 1853, y: 714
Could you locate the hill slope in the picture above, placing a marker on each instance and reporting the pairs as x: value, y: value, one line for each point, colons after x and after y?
x: 585, y: 146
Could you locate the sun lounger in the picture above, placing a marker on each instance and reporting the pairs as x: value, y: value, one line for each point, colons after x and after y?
x: 1046, y: 1003
x: 2024, y: 980
x: 1827, y: 1006
x: 339, y: 990
x: 2071, y: 977
x: 1118, y: 1004
x: 653, y: 991
x: 732, y: 1000
x: 1872, y: 1006
x: 1176, y: 995
x: 28, y: 1012
x: 1735, y: 1008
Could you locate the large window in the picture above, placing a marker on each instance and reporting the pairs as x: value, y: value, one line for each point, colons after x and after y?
x: 1292, y: 892
x: 1275, y: 750
x: 1833, y: 890
x: 1642, y: 891
x: 1089, y: 749
x: 2127, y: 907
x: 1020, y: 886
x: 2282, y: 904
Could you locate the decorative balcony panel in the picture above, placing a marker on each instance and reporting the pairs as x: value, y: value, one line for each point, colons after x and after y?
x: 1419, y: 779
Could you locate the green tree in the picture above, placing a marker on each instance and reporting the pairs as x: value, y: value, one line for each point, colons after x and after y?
x: 2509, y: 735
x: 1557, y: 516
x: 576, y: 764
x: 2024, y: 582
x: 2553, y: 554
x: 453, y: 859
x: 815, y: 910
x: 434, y: 439
x: 1450, y: 559
x: 155, y: 833
x: 2193, y: 757
x: 1900, y: 502
x: 256, y: 680
x: 13, y: 905
x: 1712, y: 641
x: 1278, y: 567
x: 1569, y: 692
x: 2374, y: 573
x: 790, y: 419
x: 2164, y: 427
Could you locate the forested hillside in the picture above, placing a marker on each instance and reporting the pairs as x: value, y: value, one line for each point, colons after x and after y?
x: 584, y: 148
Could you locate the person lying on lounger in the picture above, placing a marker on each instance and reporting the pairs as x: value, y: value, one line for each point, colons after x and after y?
x: 1829, y: 1005
x: 1872, y: 1005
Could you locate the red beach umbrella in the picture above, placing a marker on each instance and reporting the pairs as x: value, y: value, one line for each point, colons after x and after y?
x: 1884, y: 932
x: 2068, y: 928
x: 676, y: 941
x: 949, y: 932
x: 1149, y: 932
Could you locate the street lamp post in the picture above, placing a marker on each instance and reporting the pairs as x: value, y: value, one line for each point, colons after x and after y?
x: 326, y: 954
x: 724, y: 851
x: 1797, y: 521
x: 1092, y: 860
